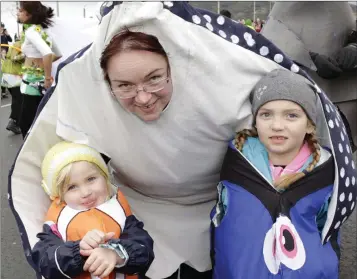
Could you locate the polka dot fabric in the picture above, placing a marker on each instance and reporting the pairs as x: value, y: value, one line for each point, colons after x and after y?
x: 344, y: 193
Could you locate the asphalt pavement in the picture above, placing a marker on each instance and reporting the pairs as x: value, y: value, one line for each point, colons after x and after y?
x: 13, y: 262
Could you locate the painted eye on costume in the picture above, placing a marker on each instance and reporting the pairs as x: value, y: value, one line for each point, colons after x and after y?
x: 289, y: 247
x: 269, y: 251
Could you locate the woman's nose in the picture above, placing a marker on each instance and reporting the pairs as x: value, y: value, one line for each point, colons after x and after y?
x: 142, y: 97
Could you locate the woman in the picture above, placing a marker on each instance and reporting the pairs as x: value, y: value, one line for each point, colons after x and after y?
x: 168, y: 104
x: 36, y: 47
x: 11, y: 68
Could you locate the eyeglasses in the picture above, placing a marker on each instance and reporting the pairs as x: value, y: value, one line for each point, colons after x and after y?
x: 126, y: 91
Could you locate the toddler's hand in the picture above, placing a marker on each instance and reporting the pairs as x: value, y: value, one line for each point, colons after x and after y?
x: 101, y: 262
x: 92, y: 239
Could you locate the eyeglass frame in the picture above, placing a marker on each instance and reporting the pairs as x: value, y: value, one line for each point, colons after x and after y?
x: 136, y: 89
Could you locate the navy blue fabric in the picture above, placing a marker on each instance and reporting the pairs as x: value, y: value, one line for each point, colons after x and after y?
x: 247, y: 38
x: 240, y: 238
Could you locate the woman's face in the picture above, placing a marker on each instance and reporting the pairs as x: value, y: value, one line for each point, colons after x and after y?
x: 22, y: 15
x: 137, y: 69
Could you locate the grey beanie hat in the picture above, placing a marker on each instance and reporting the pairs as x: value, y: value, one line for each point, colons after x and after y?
x: 281, y: 84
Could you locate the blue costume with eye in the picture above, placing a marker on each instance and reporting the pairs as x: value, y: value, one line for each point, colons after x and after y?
x: 276, y: 233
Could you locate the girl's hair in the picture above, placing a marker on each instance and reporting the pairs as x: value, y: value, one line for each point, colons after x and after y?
x: 40, y: 14
x: 64, y: 178
x: 128, y: 40
x: 284, y: 181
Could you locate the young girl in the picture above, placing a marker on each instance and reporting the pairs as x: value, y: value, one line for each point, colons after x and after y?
x: 89, y: 231
x: 276, y: 181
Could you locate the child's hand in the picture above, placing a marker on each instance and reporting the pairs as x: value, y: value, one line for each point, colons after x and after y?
x: 92, y: 239
x: 101, y: 262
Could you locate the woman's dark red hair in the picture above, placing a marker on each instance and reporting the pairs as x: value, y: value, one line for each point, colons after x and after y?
x: 128, y: 40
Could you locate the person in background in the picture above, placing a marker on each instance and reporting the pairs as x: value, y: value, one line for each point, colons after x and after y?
x: 258, y: 25
x: 11, y: 79
x: 37, y: 47
x: 226, y: 13
x: 249, y: 23
x: 5, y: 39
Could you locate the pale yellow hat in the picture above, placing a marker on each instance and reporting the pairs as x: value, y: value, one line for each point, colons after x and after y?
x: 61, y: 155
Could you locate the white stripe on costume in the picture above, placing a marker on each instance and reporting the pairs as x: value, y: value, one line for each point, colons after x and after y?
x: 114, y: 210
x: 65, y: 217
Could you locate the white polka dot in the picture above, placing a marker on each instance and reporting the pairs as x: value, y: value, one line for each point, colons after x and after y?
x: 347, y: 148
x: 248, y: 37
x: 235, y: 39
x: 346, y: 160
x: 278, y: 58
x: 317, y: 89
x: 209, y: 26
x: 196, y: 19
x: 342, y: 137
x: 353, y: 181
x: 168, y: 4
x: 220, y: 20
x: 350, y: 197
x: 330, y: 123
x: 337, y: 224
x: 353, y: 164
x: 222, y: 33
x: 344, y: 219
x: 328, y: 239
x: 352, y: 206
x: 294, y: 68
x: 337, y: 123
x: 342, y: 197
x: 343, y: 212
x: 264, y: 51
x: 347, y: 182
x: 8, y: 196
x: 251, y: 42
x: 342, y: 172
x: 327, y: 108
x: 208, y: 18
x: 340, y: 147
x: 344, y: 130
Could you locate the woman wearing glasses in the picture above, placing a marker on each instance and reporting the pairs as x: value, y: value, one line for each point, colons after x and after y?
x: 143, y: 88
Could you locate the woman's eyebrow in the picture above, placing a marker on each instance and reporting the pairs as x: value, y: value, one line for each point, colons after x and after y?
x: 149, y: 74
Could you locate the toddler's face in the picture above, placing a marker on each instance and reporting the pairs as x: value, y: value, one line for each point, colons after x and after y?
x: 87, y: 188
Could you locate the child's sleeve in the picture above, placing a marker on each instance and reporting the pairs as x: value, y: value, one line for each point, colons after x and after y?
x: 55, y: 258
x: 138, y: 245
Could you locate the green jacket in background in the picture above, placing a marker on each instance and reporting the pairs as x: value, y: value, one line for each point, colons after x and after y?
x: 13, y: 61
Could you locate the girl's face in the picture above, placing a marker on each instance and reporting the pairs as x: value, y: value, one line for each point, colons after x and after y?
x: 22, y: 16
x: 138, y: 70
x: 282, y: 126
x: 87, y: 188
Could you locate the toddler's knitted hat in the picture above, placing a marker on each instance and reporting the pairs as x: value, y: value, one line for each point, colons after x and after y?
x: 61, y: 155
